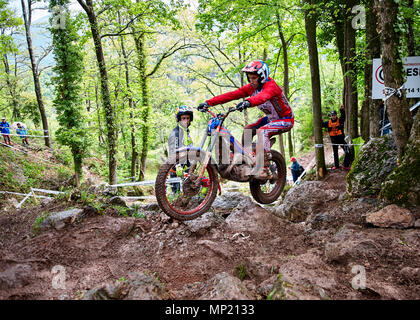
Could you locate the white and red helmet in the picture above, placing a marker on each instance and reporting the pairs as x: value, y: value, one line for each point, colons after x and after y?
x: 259, y: 67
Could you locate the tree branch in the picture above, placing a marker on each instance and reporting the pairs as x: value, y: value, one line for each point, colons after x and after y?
x: 167, y: 54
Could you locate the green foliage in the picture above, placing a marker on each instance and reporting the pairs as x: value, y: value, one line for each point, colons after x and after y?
x: 34, y: 172
x: 37, y: 223
x: 29, y: 110
x: 241, y: 272
x: 215, y: 41
x: 69, y: 68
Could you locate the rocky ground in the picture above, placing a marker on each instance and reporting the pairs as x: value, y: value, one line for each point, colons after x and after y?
x: 316, y: 244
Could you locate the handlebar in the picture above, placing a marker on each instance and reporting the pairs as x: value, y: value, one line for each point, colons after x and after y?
x: 231, y: 109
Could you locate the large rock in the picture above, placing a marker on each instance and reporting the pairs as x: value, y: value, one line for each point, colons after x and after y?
x: 138, y: 286
x: 402, y: 186
x: 16, y: 276
x: 146, y: 287
x: 204, y: 223
x: 105, y: 190
x: 352, y: 250
x: 225, y: 287
x: 374, y: 162
x: 59, y: 219
x: 410, y: 274
x: 349, y: 245
x: 228, y: 201
x: 250, y: 218
x: 220, y: 249
x: 305, y: 277
x: 304, y: 199
x: 119, y: 201
x: 391, y: 216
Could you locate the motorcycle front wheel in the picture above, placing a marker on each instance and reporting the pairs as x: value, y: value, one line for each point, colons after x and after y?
x: 179, y: 191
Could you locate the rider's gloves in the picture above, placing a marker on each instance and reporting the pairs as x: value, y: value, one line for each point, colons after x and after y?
x: 203, y: 106
x: 243, y: 105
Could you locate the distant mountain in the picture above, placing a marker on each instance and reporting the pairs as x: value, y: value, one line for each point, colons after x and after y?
x: 41, y: 39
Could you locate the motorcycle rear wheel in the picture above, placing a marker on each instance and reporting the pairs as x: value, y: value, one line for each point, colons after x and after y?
x: 259, y: 188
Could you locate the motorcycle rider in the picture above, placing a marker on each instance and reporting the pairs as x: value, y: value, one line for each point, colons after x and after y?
x: 264, y: 93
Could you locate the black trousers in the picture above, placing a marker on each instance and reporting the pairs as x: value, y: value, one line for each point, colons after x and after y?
x: 348, y: 154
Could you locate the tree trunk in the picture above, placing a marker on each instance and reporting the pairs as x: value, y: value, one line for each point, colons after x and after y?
x: 285, y: 77
x: 78, y: 172
x: 145, y: 107
x: 411, y: 41
x: 11, y: 85
x: 373, y: 51
x: 27, y: 18
x: 131, y: 108
x: 112, y: 133
x: 310, y: 28
x: 281, y: 144
x: 98, y: 113
x: 350, y: 75
x: 364, y: 118
x: 397, y: 108
x: 246, y: 120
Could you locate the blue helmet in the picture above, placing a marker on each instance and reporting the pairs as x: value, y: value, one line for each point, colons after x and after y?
x: 183, y: 110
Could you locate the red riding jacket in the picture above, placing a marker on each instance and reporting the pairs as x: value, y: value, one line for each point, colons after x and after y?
x: 270, y: 99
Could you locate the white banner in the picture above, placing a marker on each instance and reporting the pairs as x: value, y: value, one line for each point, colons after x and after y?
x: 411, y: 86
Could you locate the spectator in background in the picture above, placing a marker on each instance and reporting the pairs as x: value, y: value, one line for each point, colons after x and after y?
x: 383, y: 119
x: 296, y: 168
x: 21, y: 131
x: 5, y: 131
x: 336, y: 131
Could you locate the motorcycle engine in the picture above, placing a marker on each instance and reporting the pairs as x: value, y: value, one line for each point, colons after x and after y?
x: 240, y: 173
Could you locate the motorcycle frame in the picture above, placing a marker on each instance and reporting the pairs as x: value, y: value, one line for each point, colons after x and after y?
x: 238, y: 147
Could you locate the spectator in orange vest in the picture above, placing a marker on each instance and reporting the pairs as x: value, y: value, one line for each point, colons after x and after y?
x: 336, y: 131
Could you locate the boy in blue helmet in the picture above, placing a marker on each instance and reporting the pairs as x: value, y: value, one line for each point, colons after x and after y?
x: 180, y: 136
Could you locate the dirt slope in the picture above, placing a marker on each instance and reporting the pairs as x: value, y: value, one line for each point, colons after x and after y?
x: 315, y: 259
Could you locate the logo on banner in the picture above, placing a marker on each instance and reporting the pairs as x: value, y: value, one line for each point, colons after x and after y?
x: 412, y: 74
x: 379, y: 75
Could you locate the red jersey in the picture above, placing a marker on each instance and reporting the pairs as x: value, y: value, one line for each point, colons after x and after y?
x: 270, y: 99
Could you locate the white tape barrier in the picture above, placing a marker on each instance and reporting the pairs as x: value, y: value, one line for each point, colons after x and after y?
x: 24, y: 194
x: 37, y: 130
x: 144, y: 183
x: 23, y: 136
x: 308, y: 167
x: 338, y: 144
x: 32, y: 194
x: 139, y: 198
x: 24, y: 199
x: 47, y: 191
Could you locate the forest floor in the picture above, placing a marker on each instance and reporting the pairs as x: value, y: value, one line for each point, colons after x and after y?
x: 238, y: 250
x: 236, y: 254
